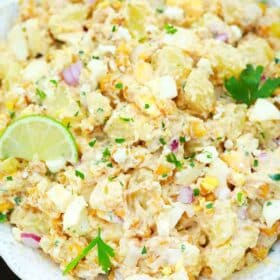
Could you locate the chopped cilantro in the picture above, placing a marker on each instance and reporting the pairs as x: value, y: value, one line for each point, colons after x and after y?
x: 92, y: 143
x: 81, y: 52
x: 256, y: 163
x: 80, y: 174
x: 114, y: 28
x: 183, y: 247
x: 164, y: 175
x: 159, y: 10
x: 144, y: 250
x: 12, y: 115
x: 209, y: 205
x: 262, y: 135
x: 239, y: 197
x: 17, y: 200
x: 277, y: 60
x: 173, y: 159
x: 147, y: 106
x: 162, y: 141
x: 100, y: 110
x: 127, y: 119
x: 249, y: 86
x: 68, y: 126
x: 106, y: 154
x: 162, y: 125
x: 54, y: 82
x: 119, y: 86
x: 170, y: 29
x: 42, y: 95
x: 95, y: 57
x: 196, y: 192
x: 182, y: 139
x: 268, y: 203
x: 104, y: 252
x: 3, y: 218
x: 9, y: 178
x: 274, y: 177
x: 119, y: 140
x: 110, y: 164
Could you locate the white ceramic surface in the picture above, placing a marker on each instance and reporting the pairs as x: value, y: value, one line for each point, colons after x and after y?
x: 30, y: 264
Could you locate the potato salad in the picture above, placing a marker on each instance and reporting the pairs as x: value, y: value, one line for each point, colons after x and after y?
x: 140, y: 139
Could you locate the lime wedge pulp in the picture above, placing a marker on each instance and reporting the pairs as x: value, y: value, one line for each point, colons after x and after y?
x: 38, y: 137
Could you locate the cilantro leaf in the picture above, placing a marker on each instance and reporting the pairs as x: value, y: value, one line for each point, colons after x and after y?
x: 3, y: 218
x: 274, y: 177
x: 104, y: 252
x: 249, y: 86
x: 173, y: 159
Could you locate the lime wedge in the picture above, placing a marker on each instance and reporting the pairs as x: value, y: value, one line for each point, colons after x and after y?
x: 38, y: 137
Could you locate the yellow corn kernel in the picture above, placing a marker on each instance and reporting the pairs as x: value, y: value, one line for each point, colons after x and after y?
x: 120, y: 212
x: 275, y: 29
x: 162, y: 170
x: 10, y: 105
x: 103, y: 4
x: 75, y: 248
x: 5, y: 206
x: 123, y: 48
x: 260, y: 252
x: 143, y: 72
x: 263, y: 7
x: 210, y: 197
x: 197, y: 129
x: 166, y: 271
x: 264, y: 190
x: 209, y: 183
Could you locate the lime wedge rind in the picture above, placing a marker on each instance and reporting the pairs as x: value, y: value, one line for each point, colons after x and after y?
x: 38, y: 136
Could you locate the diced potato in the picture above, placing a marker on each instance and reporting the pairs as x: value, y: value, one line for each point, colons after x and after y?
x: 172, y: 61
x: 143, y: 72
x: 98, y: 106
x: 18, y: 42
x: 237, y: 161
x: 35, y: 70
x: 199, y: 95
x: 256, y: 51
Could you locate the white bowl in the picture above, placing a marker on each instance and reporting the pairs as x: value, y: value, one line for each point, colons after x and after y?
x: 30, y: 264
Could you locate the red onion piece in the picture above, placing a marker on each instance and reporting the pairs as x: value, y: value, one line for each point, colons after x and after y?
x: 174, y: 145
x: 223, y: 37
x: 263, y: 78
x: 31, y: 240
x: 71, y: 74
x: 185, y: 195
x: 263, y: 156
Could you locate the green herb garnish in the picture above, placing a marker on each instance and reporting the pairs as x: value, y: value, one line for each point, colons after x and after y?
x: 144, y: 250
x: 54, y: 82
x: 9, y: 178
x: 119, y: 86
x: 173, y: 159
x: 42, y: 95
x: 114, y: 28
x: 249, y: 86
x: 17, y: 200
x: 256, y: 163
x: 182, y: 139
x: 92, y: 143
x: 80, y: 174
x: 127, y: 119
x: 119, y: 140
x: 196, y: 192
x: 3, y: 218
x: 170, y: 29
x: 159, y: 10
x: 162, y: 141
x: 104, y: 252
x: 209, y: 205
x: 274, y: 177
x: 147, y: 106
x: 106, y: 154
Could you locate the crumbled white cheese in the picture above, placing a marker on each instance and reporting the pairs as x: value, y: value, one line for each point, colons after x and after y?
x: 271, y: 211
x: 263, y: 110
x: 60, y: 196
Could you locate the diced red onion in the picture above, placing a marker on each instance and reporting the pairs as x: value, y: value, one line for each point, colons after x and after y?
x: 263, y: 156
x: 263, y: 78
x: 30, y: 239
x: 174, y: 145
x: 71, y: 74
x: 185, y: 195
x: 223, y: 37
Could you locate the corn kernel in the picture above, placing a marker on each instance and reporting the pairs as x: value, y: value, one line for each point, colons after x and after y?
x: 209, y: 183
x: 275, y: 29
x: 166, y: 271
x: 162, y: 170
x: 197, y: 129
x: 5, y: 206
x: 263, y: 7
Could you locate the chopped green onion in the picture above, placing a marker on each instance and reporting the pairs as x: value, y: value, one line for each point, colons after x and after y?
x: 119, y: 140
x: 92, y: 143
x: 80, y: 174
x: 144, y: 250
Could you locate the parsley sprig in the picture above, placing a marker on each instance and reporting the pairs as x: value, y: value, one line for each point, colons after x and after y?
x: 173, y: 159
x: 104, y: 252
x: 249, y: 86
